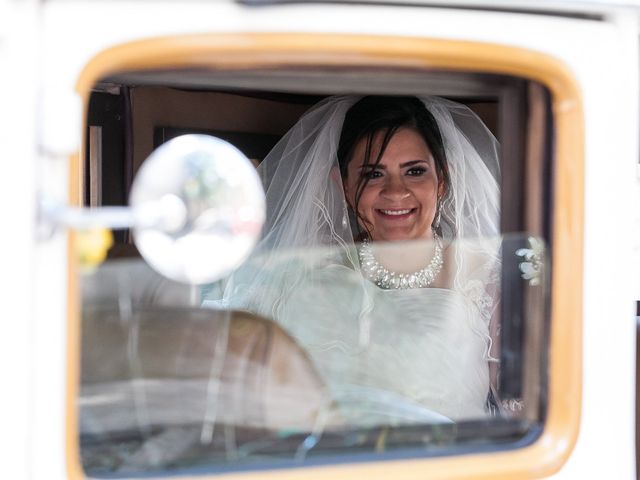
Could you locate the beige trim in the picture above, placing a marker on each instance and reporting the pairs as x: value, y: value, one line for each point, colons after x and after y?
x: 74, y: 467
x: 553, y: 448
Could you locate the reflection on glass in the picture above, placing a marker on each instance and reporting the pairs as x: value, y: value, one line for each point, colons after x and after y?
x: 199, y: 208
x: 339, y: 366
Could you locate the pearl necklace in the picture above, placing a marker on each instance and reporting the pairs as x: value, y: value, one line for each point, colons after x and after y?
x: 387, y: 279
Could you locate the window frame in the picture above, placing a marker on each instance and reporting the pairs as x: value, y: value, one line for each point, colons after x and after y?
x: 552, y: 448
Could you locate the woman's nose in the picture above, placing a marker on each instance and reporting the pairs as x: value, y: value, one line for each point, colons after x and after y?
x: 395, y: 189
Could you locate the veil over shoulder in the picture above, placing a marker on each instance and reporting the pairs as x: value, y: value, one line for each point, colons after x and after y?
x: 308, y: 251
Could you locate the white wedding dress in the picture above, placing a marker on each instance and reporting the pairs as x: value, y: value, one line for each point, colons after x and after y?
x: 391, y: 356
x: 388, y: 356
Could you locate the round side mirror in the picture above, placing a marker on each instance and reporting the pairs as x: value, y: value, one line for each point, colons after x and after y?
x: 199, y: 208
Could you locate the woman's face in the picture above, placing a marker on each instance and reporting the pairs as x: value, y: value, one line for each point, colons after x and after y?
x: 399, y: 201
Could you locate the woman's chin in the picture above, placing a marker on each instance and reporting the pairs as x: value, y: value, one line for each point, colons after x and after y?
x: 398, y: 237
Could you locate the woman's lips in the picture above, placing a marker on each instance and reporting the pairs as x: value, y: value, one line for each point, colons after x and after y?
x: 395, y: 213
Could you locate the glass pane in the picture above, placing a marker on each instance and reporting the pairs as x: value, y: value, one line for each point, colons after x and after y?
x: 179, y: 378
x: 389, y: 309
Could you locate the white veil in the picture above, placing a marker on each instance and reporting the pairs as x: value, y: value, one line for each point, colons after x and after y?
x: 306, y: 207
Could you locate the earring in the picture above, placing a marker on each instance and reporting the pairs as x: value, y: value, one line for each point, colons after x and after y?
x: 436, y: 223
x: 345, y: 218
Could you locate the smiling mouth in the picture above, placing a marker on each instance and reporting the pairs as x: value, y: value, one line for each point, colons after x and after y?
x: 398, y: 213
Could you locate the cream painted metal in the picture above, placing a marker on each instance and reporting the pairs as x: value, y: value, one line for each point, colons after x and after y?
x: 18, y: 88
x: 44, y: 48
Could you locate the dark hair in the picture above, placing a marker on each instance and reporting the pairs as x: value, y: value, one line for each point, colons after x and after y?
x: 377, y: 114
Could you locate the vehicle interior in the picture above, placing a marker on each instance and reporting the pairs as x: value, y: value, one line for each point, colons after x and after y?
x: 152, y: 359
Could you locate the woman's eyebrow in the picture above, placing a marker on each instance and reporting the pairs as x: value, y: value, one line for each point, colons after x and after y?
x: 411, y: 163
x: 380, y: 166
x: 371, y: 166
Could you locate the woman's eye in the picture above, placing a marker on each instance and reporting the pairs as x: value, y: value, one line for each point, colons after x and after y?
x: 416, y: 171
x: 371, y: 174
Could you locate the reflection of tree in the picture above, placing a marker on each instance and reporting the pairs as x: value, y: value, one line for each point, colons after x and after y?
x: 204, y: 187
x: 531, y: 268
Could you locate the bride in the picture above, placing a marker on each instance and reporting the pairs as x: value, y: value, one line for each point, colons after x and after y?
x: 380, y: 255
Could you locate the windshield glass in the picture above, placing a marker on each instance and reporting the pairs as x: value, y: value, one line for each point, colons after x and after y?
x: 395, y: 304
x: 176, y: 378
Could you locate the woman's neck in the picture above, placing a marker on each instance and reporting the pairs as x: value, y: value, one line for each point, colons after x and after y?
x: 404, y: 256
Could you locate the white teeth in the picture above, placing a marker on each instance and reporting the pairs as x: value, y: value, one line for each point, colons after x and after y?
x: 395, y: 212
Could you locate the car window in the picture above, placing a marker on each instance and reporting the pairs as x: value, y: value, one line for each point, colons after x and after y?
x: 317, y: 352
